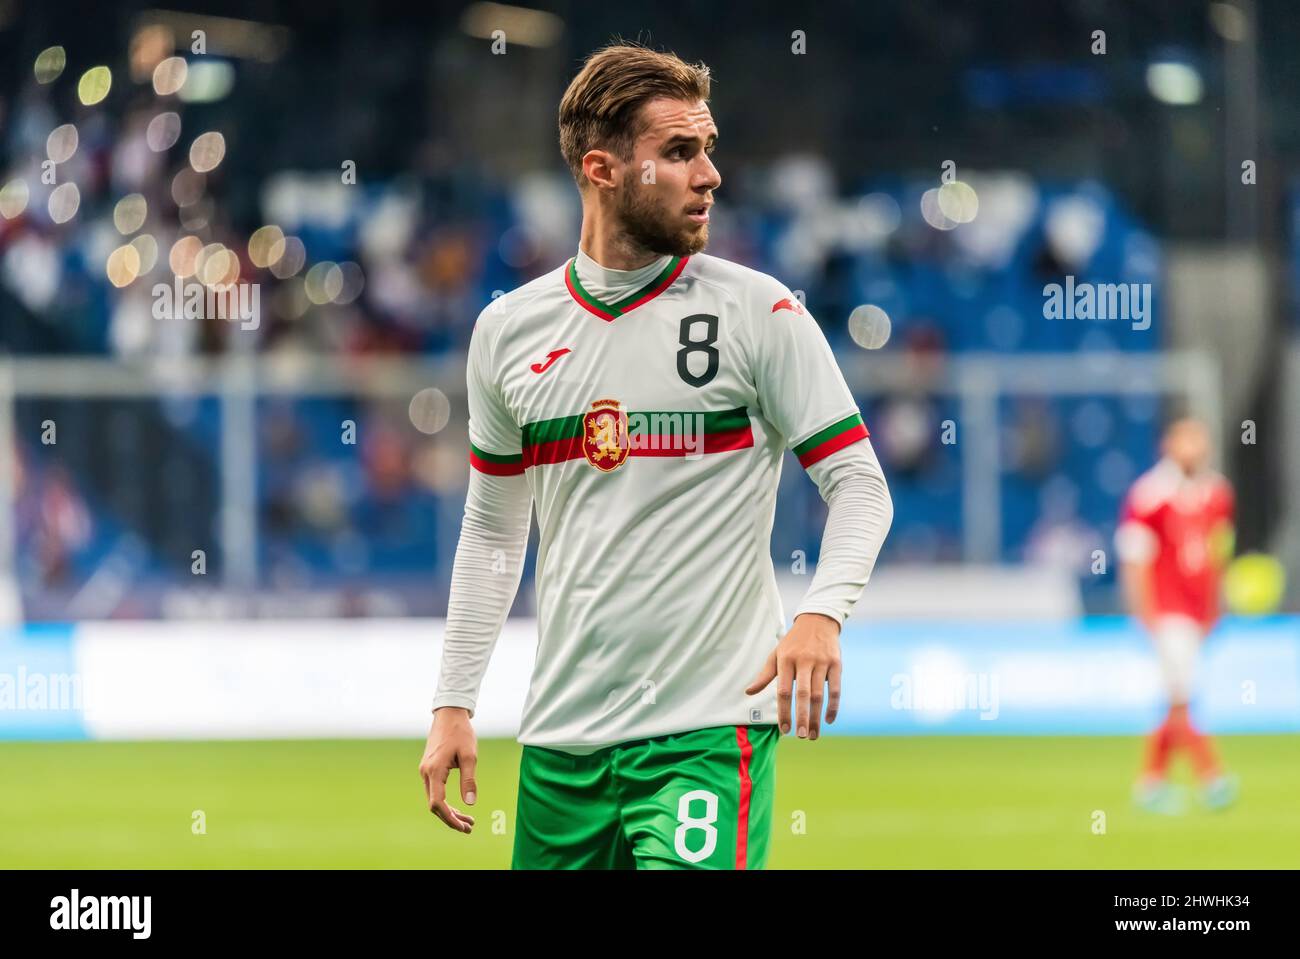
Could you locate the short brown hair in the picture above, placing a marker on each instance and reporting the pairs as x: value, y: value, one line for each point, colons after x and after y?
x: 601, y: 107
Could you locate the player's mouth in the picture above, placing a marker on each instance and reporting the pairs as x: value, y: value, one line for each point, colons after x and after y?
x: 698, y: 213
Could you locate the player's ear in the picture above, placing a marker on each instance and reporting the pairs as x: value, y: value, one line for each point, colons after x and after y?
x: 598, y: 168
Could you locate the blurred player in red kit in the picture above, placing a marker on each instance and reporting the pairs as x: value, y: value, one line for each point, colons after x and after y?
x: 1174, y: 539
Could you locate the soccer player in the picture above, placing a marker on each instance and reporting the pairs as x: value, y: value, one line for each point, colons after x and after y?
x: 1173, y: 541
x: 643, y: 395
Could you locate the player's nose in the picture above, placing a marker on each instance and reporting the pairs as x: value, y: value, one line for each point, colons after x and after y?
x: 707, y: 177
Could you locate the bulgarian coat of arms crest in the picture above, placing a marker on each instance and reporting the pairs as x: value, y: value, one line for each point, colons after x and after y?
x: 604, y: 435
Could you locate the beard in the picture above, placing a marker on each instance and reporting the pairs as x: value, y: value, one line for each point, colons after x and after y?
x: 651, y: 227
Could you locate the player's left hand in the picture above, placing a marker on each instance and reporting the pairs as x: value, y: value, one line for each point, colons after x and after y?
x: 809, y: 657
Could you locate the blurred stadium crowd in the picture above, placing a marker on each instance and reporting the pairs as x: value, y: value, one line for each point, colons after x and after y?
x: 134, y: 165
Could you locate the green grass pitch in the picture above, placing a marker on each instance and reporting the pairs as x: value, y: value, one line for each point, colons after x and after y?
x: 842, y: 802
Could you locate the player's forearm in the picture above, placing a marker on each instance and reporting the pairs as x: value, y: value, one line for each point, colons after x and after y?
x: 859, y: 516
x: 485, y: 577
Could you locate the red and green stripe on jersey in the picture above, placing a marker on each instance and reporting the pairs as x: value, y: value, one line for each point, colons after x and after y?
x: 660, y: 434
x: 830, y: 440
x: 680, y: 434
x: 496, y: 464
x: 607, y: 311
x: 649, y: 434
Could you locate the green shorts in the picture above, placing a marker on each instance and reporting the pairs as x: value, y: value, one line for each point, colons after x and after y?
x: 693, y: 800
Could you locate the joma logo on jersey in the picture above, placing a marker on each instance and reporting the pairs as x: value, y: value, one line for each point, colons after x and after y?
x: 604, y: 435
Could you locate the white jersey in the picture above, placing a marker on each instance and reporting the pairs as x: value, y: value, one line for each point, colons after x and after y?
x: 651, y: 433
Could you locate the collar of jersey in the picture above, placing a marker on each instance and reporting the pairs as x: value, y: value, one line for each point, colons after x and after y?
x: 607, y: 311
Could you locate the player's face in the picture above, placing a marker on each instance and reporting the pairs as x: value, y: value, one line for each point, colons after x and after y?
x: 1188, y: 444
x: 668, y: 188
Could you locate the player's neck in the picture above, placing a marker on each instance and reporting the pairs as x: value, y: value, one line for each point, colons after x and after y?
x: 1191, y: 476
x: 611, y: 247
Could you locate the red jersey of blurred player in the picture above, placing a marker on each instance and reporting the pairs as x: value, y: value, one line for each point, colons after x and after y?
x: 1176, y: 529
x: 1174, y: 539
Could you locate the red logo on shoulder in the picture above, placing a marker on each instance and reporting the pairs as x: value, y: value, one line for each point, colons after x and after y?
x: 794, y: 306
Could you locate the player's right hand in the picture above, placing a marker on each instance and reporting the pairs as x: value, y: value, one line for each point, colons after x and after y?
x: 451, y: 745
